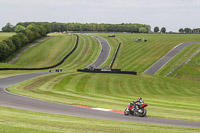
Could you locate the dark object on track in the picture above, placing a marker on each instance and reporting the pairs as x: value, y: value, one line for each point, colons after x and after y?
x: 116, y: 71
x: 113, y: 35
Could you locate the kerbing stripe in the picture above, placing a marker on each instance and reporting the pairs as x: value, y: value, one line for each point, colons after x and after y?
x: 100, y: 109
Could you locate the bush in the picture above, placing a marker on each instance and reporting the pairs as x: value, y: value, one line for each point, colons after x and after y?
x: 4, y: 51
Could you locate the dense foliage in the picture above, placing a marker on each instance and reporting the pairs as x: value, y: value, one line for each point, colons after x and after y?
x: 156, y: 29
x: 29, y: 31
x: 8, y: 28
x: 25, y: 35
x: 189, y: 31
x: 61, y: 27
x: 163, y: 30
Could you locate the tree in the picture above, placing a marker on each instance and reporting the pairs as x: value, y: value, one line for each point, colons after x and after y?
x: 4, y: 51
x: 8, y: 28
x: 17, y: 41
x: 163, y: 30
x: 19, y: 28
x: 23, y: 38
x: 47, y: 26
x: 187, y: 30
x: 35, y: 29
x: 29, y: 34
x: 156, y: 29
x: 10, y: 44
x: 181, y: 30
x: 43, y: 31
x: 142, y: 30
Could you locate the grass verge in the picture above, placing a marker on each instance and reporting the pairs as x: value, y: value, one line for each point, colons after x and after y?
x: 167, y: 97
x: 21, y: 121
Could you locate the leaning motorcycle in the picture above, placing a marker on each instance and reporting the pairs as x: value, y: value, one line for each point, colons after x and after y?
x: 139, y: 111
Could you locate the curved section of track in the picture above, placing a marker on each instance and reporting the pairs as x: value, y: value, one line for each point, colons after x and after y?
x: 105, y: 51
x: 12, y: 100
x: 165, y: 59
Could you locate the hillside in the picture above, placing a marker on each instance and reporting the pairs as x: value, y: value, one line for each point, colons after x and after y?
x: 138, y: 56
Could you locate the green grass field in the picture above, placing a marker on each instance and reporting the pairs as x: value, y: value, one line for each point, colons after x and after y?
x: 167, y: 97
x: 86, y: 53
x: 180, y: 58
x: 138, y: 56
x: 15, y: 120
x: 189, y: 71
x: 4, y: 35
x: 54, y: 49
x: 48, y: 52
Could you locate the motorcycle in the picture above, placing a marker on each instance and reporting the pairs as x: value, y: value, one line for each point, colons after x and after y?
x: 139, y: 111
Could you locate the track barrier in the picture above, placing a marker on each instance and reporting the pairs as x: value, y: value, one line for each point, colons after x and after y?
x: 116, y: 71
x: 116, y: 52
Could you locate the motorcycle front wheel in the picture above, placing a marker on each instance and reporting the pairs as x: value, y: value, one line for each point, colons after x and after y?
x: 143, y: 113
x: 126, y: 111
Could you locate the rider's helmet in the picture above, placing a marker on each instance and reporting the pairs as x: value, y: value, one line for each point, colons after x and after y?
x: 139, y: 98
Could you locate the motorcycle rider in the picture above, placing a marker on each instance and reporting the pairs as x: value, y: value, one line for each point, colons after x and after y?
x: 137, y: 103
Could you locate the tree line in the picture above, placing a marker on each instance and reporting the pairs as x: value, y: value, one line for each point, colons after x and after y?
x: 24, y: 35
x: 189, y: 31
x: 61, y: 27
x: 27, y: 32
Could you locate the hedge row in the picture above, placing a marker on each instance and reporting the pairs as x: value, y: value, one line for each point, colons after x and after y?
x: 91, y: 27
x: 27, y: 35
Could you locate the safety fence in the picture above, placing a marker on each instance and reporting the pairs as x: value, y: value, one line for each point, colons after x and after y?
x: 116, y: 52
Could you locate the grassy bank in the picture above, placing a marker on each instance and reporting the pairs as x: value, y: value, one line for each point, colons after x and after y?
x: 189, y: 71
x: 138, y: 56
x: 48, y: 52
x: 180, y: 58
x: 21, y: 121
x: 86, y: 53
x: 167, y: 97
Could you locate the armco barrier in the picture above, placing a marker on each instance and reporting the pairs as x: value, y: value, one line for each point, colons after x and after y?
x: 43, y: 68
x: 113, y: 60
x: 116, y: 71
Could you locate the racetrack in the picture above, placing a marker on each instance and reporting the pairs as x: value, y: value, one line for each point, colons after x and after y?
x: 21, y: 102
x: 12, y: 100
x: 105, y: 51
x: 165, y: 59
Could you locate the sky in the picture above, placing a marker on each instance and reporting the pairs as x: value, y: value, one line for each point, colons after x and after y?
x: 172, y: 14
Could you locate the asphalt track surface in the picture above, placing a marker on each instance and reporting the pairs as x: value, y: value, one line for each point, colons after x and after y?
x: 20, y: 102
x: 165, y: 59
x: 104, y: 53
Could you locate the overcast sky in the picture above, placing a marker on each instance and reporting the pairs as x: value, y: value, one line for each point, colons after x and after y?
x: 172, y: 14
